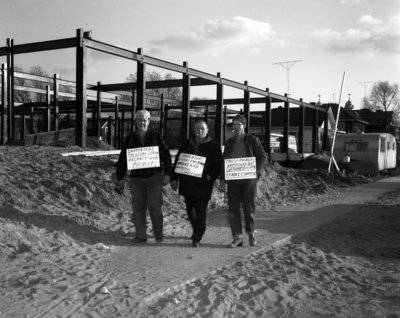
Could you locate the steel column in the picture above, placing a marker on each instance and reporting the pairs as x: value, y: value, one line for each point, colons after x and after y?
x: 4, y: 104
x: 246, y: 106
x: 10, y: 86
x: 300, y: 142
x: 161, y: 128
x: 185, y: 104
x: 55, y: 101
x: 286, y: 121
x: 315, y: 131
x: 47, y: 115
x: 98, y: 113
x: 81, y: 97
x: 31, y: 130
x: 141, y: 83
x: 122, y: 126
x: 224, y: 126
x: 133, y: 110
x: 116, y: 124
x: 267, y: 125
x: 22, y: 135
x: 218, y: 114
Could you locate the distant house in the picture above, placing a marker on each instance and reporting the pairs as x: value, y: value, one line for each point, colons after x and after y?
x: 378, y: 121
x: 349, y: 120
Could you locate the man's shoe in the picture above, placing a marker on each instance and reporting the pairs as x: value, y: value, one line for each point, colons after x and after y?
x: 236, y: 242
x: 159, y: 238
x: 252, y: 239
x: 195, y: 244
x: 139, y: 240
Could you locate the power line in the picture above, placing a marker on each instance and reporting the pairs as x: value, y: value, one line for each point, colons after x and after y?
x: 287, y: 65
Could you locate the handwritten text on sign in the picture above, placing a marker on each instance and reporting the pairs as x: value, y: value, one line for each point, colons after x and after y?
x: 240, y: 168
x: 190, y: 165
x: 143, y: 157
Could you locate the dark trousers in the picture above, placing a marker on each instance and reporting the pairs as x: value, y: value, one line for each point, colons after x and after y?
x: 242, y: 194
x: 147, y: 195
x: 196, y: 211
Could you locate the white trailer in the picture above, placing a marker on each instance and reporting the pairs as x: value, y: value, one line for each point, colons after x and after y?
x: 375, y: 150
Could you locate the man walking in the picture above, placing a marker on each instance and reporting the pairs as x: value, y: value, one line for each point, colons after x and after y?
x: 242, y: 192
x: 147, y: 157
x: 196, y: 187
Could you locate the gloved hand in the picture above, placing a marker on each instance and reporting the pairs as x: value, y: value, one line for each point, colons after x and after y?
x: 174, y: 185
x: 119, y: 187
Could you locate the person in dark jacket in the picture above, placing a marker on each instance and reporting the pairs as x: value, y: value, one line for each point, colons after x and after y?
x: 196, y: 185
x: 242, y: 192
x: 149, y: 172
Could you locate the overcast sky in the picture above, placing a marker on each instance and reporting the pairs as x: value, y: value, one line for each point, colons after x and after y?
x: 241, y: 39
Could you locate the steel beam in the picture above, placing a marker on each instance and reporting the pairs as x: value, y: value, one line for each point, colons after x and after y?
x: 41, y: 46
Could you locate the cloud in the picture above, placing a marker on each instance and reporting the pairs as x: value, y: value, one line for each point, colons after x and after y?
x: 350, y: 1
x: 219, y: 35
x: 374, y: 36
x: 369, y: 20
x: 349, y: 40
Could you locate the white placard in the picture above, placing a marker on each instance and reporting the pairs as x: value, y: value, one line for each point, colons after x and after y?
x: 240, y: 168
x: 190, y: 165
x: 142, y: 157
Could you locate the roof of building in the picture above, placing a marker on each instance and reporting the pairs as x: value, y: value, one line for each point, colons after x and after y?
x: 375, y: 117
x: 278, y: 115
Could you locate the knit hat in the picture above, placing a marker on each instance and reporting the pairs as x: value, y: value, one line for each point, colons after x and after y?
x: 241, y: 119
x: 142, y: 114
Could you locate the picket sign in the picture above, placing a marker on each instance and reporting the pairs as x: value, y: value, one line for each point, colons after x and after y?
x: 190, y: 165
x: 240, y: 168
x: 142, y: 158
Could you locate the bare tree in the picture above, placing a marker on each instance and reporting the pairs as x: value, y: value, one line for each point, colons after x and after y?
x: 26, y: 96
x: 170, y: 92
x: 384, y: 96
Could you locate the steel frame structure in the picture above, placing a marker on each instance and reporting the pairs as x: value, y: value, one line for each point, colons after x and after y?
x: 83, y: 42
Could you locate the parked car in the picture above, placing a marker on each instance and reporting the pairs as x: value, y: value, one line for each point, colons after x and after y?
x: 276, y: 143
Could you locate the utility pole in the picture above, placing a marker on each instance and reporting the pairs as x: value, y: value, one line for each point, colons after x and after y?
x: 287, y: 65
x: 365, y: 87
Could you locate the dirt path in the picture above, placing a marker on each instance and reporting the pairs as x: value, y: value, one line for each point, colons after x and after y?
x: 113, y: 278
